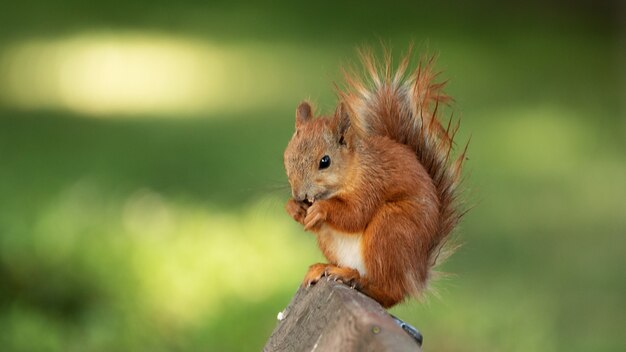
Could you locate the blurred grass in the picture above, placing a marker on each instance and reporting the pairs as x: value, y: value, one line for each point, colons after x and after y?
x: 131, y: 233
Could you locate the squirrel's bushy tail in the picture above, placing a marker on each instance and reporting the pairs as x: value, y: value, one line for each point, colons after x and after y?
x: 403, y: 105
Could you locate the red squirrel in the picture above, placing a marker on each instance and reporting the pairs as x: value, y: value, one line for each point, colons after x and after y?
x: 375, y: 181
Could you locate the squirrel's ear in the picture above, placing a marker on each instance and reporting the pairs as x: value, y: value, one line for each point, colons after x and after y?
x: 303, y: 113
x: 342, y: 116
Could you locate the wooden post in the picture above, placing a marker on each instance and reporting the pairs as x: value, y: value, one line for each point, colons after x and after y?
x: 331, y: 316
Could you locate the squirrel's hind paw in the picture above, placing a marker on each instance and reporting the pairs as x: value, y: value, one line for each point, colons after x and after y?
x: 348, y: 276
x: 315, y: 273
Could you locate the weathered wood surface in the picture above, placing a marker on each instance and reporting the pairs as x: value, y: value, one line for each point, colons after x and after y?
x: 331, y: 316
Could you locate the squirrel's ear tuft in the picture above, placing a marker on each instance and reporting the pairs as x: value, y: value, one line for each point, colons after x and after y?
x: 303, y: 113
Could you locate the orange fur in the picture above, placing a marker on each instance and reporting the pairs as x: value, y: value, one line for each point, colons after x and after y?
x: 384, y: 206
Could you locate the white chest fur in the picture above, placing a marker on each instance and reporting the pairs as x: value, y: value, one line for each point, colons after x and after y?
x: 347, y: 248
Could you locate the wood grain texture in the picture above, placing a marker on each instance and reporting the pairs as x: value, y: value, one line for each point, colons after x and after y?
x: 331, y: 316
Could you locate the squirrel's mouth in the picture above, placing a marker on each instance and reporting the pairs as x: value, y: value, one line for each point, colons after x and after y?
x: 308, y: 202
x: 320, y: 196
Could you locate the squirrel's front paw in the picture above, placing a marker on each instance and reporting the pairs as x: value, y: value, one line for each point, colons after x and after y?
x: 315, y: 215
x: 297, y: 210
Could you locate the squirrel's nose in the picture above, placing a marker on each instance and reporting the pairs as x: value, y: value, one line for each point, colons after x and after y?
x: 301, y: 196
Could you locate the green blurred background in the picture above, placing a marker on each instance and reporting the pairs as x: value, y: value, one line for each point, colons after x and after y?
x: 142, y: 189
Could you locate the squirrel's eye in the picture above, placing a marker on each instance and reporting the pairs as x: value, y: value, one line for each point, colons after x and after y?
x: 324, y: 162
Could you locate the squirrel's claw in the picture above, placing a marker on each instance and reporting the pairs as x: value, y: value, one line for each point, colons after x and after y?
x: 310, y: 283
